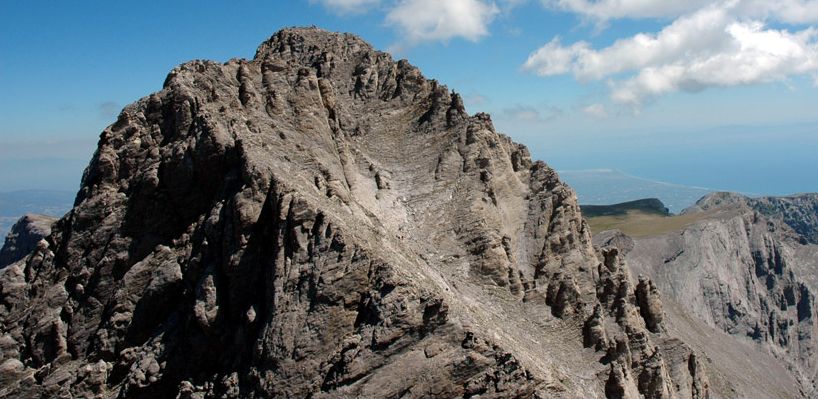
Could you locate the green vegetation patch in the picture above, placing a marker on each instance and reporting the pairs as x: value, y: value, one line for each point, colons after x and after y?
x: 644, y: 224
x: 651, y: 206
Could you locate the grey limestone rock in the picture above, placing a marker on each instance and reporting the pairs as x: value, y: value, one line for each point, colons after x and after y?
x: 799, y: 212
x: 744, y: 269
x: 323, y: 221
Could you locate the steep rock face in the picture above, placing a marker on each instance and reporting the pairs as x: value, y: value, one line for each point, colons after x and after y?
x: 322, y: 221
x: 799, y: 212
x: 24, y: 236
x: 745, y: 273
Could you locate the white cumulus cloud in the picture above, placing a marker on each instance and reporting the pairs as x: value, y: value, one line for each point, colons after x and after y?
x: 786, y: 11
x: 437, y: 20
x: 716, y: 46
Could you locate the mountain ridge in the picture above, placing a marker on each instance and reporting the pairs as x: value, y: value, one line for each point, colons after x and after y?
x: 226, y: 221
x: 798, y: 211
x: 743, y: 270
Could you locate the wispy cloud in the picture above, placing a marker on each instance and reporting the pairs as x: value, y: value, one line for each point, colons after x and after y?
x: 474, y: 99
x: 345, y: 7
x: 528, y: 114
x: 613, y: 9
x: 109, y: 109
x: 597, y: 111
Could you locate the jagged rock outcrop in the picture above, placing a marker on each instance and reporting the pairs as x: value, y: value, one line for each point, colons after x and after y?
x: 322, y: 221
x: 799, y: 212
x: 614, y: 238
x: 24, y: 236
x: 744, y: 270
x: 639, y: 363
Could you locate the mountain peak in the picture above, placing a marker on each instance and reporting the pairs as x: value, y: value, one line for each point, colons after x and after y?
x: 324, y: 221
x: 307, y: 39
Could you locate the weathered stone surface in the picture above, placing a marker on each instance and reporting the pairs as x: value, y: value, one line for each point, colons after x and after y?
x: 614, y: 238
x: 322, y: 221
x: 24, y: 236
x: 746, y: 272
x: 799, y: 212
x: 650, y: 304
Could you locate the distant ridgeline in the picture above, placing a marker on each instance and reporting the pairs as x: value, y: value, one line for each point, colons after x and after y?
x: 15, y: 204
x: 651, y: 206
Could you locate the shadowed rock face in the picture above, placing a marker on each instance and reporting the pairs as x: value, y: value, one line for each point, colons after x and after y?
x: 322, y: 221
x: 24, y: 236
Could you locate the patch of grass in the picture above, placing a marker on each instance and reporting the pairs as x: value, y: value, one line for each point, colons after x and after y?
x: 642, y: 224
x: 648, y: 205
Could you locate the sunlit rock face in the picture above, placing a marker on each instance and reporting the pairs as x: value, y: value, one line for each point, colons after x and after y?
x: 323, y: 221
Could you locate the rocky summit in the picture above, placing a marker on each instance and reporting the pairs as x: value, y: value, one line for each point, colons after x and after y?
x: 322, y: 221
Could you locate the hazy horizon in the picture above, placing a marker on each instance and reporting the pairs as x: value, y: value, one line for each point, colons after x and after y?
x: 750, y: 166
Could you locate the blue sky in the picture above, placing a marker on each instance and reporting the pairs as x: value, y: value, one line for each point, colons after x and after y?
x: 713, y: 94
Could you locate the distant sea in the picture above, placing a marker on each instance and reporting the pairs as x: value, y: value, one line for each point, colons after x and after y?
x: 14, y: 204
x: 755, y: 160
x: 609, y: 186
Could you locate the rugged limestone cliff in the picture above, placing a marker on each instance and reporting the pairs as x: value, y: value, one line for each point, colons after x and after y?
x: 745, y: 271
x: 322, y: 221
x: 799, y: 212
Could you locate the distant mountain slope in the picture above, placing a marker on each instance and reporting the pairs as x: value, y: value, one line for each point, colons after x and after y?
x: 740, y: 266
x: 608, y: 186
x: 646, y: 205
x: 799, y: 211
x: 15, y: 204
